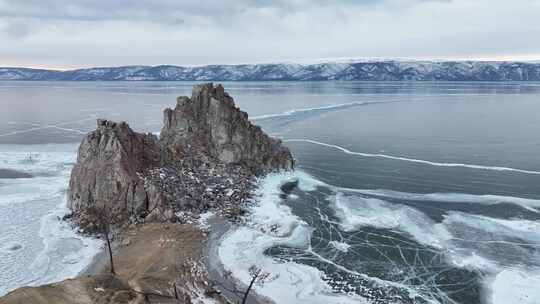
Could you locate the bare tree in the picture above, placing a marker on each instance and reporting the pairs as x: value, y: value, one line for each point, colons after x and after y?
x: 258, y: 276
x: 104, y: 220
x: 106, y: 233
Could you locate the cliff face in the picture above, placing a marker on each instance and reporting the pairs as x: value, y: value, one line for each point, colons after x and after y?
x: 109, y: 164
x: 206, y: 157
x: 210, y: 122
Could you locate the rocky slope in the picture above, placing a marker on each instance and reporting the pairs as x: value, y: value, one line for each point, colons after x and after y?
x: 389, y: 70
x: 207, y: 156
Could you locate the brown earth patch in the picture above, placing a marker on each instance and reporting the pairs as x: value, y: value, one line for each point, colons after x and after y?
x: 149, y: 260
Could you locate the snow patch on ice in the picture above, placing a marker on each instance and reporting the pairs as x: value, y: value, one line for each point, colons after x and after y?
x: 33, y: 209
x: 355, y: 212
x: 516, y: 287
x: 341, y: 246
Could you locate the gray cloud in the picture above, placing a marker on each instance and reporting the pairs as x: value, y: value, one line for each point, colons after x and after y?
x: 99, y: 32
x: 167, y: 10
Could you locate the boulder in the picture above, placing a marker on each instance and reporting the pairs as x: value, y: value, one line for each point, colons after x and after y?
x: 289, y: 186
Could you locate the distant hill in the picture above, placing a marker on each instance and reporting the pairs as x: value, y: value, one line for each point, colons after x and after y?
x: 368, y: 70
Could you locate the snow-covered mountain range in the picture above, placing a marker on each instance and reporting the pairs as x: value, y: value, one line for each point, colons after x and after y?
x: 367, y: 70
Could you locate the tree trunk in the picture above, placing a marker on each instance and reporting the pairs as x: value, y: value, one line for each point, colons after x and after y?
x: 175, y: 291
x: 110, y: 252
x: 249, y: 289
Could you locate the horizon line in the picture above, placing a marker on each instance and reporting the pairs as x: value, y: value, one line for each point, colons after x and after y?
x: 299, y: 62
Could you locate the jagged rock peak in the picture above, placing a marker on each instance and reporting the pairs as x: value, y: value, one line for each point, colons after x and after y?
x: 109, y: 162
x: 209, y: 122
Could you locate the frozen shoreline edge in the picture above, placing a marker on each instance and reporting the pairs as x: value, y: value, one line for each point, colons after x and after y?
x: 219, y: 229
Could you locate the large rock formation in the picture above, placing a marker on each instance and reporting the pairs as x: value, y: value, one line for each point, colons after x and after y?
x: 210, y: 122
x: 206, y: 157
x: 109, y: 166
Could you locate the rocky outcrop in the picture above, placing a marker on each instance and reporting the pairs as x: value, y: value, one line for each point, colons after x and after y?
x: 210, y: 122
x: 206, y: 157
x: 109, y: 166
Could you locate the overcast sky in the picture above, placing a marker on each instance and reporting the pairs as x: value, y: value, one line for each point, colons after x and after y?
x: 82, y: 33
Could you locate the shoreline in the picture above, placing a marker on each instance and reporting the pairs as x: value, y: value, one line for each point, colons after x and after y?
x: 219, y: 228
x: 213, y: 271
x: 149, y: 260
x: 166, y: 185
x: 97, y: 265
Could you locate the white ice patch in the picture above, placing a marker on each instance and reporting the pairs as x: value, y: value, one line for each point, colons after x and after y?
x: 529, y: 229
x: 516, y: 287
x: 32, y: 209
x: 341, y: 246
x: 273, y: 224
x: 66, y: 254
x: 355, y: 212
x: 498, y: 228
x: 309, y: 183
x: 529, y: 204
x: 471, y: 260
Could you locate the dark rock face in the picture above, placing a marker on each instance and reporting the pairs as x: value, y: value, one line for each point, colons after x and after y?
x: 109, y: 164
x: 207, y: 157
x: 289, y: 186
x: 211, y: 123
